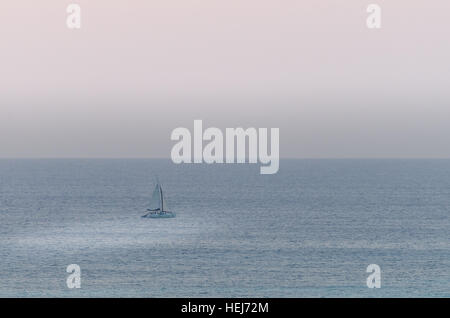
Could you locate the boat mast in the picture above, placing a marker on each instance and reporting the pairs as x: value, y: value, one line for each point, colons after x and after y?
x: 161, y: 198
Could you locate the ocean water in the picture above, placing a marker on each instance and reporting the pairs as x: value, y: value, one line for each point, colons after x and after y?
x: 309, y: 231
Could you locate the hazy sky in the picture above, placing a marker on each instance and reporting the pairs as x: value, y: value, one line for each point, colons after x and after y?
x: 138, y: 69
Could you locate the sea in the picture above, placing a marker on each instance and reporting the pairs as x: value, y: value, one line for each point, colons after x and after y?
x: 311, y: 230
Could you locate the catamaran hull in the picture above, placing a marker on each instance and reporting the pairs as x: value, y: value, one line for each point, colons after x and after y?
x: 165, y: 215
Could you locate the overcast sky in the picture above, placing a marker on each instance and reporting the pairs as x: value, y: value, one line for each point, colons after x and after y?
x: 138, y: 69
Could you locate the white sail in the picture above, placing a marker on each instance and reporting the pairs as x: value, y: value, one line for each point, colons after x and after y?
x: 163, y: 201
x: 155, y: 202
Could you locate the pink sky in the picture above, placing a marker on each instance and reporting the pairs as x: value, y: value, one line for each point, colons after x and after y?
x: 138, y: 69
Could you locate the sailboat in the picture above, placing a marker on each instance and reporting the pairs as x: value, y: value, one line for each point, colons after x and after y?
x: 158, y: 206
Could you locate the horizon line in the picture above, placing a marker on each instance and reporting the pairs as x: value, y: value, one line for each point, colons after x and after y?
x: 281, y: 158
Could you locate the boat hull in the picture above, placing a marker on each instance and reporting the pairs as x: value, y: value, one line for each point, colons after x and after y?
x: 164, y: 215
